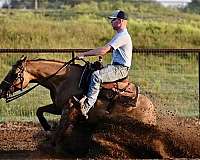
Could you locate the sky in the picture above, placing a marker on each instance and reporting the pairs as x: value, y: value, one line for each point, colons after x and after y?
x: 174, y: 2
x: 164, y: 2
x: 2, y: 2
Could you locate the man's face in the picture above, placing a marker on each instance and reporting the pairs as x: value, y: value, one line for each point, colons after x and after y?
x: 116, y: 23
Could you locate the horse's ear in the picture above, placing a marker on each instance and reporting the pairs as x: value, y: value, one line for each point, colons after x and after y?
x: 23, y: 58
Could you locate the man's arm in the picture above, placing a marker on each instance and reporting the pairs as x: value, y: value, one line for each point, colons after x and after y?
x: 96, y: 52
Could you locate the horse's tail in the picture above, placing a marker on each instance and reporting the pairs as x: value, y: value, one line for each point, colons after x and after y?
x: 136, y: 97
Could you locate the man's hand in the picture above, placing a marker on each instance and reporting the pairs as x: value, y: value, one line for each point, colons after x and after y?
x: 80, y: 56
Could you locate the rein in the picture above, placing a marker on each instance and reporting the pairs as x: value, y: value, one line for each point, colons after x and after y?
x: 9, y: 99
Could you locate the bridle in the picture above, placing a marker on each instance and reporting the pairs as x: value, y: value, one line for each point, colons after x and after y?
x: 15, y: 77
x: 20, y: 76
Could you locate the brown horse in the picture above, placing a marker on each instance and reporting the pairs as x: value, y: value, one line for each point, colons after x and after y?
x: 63, y: 83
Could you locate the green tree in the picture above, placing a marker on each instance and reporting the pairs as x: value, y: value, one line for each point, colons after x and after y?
x: 193, y: 6
x: 30, y: 4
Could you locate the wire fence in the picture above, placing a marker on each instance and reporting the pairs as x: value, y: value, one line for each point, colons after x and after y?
x: 169, y: 77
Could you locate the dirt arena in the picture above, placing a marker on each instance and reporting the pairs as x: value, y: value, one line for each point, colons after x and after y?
x: 117, y: 137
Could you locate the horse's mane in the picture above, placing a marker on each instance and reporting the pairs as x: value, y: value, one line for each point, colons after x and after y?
x: 53, y: 60
x: 48, y: 60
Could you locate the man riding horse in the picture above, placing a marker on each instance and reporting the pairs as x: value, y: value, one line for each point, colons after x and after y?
x: 121, y: 47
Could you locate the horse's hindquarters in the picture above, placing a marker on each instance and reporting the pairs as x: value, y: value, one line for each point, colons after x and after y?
x: 143, y: 111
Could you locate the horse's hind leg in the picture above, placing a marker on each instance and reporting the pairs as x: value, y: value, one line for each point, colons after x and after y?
x: 51, y: 108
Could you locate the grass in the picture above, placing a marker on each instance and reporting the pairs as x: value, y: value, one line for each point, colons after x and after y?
x: 171, y: 80
x: 81, y: 28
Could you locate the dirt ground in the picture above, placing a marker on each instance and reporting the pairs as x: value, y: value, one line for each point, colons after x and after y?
x: 117, y: 137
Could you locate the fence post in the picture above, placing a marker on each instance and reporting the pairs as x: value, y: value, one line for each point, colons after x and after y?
x: 199, y: 90
x: 73, y: 56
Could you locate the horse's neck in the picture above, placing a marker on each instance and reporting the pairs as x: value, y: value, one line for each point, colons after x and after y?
x: 43, y: 68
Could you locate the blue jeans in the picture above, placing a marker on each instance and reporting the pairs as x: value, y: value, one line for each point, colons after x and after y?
x: 109, y: 73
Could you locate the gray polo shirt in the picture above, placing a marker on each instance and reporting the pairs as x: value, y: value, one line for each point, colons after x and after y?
x: 122, y: 48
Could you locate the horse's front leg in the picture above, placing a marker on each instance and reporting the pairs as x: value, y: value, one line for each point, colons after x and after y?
x: 69, y: 117
x: 51, y: 108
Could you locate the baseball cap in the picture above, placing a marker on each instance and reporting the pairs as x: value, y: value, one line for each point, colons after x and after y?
x: 119, y: 14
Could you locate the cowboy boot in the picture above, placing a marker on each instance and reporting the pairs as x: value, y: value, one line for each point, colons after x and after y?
x: 83, y: 107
